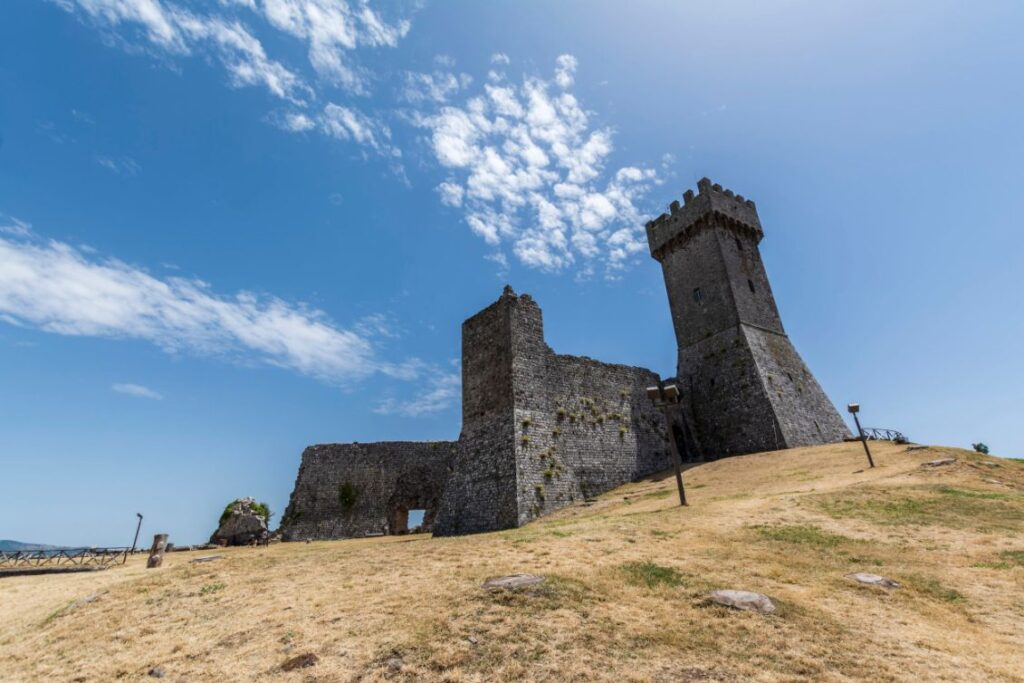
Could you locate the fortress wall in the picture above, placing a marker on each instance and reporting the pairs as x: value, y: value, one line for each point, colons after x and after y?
x: 804, y: 413
x: 542, y: 430
x: 587, y: 428
x: 480, y: 494
x: 347, y: 490
x: 726, y: 396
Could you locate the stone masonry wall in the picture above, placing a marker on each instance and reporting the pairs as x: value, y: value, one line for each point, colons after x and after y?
x: 480, y: 493
x: 348, y: 490
x: 542, y: 430
x: 744, y: 384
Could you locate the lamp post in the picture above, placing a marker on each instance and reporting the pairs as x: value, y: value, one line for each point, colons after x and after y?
x: 854, y: 408
x: 139, y: 526
x: 663, y: 397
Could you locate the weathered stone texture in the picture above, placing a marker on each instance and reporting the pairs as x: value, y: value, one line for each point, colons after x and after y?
x: 347, y: 490
x: 541, y: 430
x: 578, y: 427
x: 744, y: 383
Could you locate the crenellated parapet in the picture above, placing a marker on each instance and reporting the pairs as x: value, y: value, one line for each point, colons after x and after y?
x: 710, y: 206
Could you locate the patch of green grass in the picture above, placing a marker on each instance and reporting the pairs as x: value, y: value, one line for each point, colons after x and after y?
x: 804, y: 535
x: 651, y: 575
x: 967, y: 493
x: 1013, y: 556
x: 211, y: 588
x: 658, y: 494
x: 928, y: 505
x: 931, y: 587
x: 1008, y: 560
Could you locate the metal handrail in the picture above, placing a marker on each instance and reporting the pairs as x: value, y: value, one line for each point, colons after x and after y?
x: 884, y: 434
x: 53, y: 557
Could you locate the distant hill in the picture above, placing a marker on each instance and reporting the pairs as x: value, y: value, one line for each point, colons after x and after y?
x: 12, y: 546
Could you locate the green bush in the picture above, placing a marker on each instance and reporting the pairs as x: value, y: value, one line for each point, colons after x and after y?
x: 347, y: 494
x: 980, y: 447
x: 261, y: 509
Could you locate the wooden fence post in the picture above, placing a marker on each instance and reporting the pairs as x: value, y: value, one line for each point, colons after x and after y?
x: 156, y: 553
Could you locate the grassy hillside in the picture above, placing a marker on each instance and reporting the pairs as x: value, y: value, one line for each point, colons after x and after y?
x: 623, y: 597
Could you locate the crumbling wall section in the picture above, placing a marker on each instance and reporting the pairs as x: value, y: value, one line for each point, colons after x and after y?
x: 350, y: 490
x: 542, y: 430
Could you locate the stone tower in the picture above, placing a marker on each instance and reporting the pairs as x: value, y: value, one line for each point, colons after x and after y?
x: 745, y: 387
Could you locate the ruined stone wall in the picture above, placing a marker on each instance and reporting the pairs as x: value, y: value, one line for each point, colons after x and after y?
x: 542, y: 430
x: 480, y: 493
x: 348, y: 490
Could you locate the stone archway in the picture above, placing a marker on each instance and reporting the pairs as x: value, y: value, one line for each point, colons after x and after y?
x: 414, y: 490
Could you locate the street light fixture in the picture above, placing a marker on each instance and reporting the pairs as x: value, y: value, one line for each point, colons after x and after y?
x: 663, y: 397
x: 139, y: 526
x: 854, y: 408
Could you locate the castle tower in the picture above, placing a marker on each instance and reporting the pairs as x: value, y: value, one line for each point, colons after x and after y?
x: 745, y: 385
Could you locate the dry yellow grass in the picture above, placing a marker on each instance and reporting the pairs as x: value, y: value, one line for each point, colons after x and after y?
x: 623, y: 597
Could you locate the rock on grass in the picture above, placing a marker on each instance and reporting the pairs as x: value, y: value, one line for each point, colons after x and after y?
x: 743, y: 600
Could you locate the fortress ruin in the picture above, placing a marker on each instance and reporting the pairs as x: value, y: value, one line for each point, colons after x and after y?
x: 541, y: 430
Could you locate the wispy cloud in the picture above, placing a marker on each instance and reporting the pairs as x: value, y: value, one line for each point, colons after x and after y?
x: 170, y: 30
x: 529, y: 171
x: 442, y: 389
x: 137, y: 390
x: 332, y: 29
x: 121, y: 165
x: 60, y: 288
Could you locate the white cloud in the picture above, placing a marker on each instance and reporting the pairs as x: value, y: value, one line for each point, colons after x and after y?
x: 441, y: 391
x: 137, y: 390
x: 333, y: 28
x: 59, y: 288
x: 177, y: 31
x: 436, y: 87
x: 565, y: 70
x: 121, y: 166
x: 500, y: 58
x: 345, y: 123
x: 529, y: 170
x: 9, y: 225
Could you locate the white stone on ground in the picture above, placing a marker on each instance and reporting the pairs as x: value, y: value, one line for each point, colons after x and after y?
x: 512, y: 582
x: 744, y: 600
x: 873, y: 580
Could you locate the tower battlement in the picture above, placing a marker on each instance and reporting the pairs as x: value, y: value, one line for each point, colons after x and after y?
x: 712, y: 205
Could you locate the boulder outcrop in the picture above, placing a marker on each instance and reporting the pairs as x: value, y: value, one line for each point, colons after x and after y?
x: 243, y: 522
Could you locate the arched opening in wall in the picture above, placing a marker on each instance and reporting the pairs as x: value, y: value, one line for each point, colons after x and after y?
x: 406, y: 521
x: 413, y: 504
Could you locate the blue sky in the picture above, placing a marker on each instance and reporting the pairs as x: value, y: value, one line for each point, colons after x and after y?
x: 231, y: 229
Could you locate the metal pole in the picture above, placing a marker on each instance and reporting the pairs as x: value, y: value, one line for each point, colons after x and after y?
x: 137, y: 528
x: 677, y: 459
x: 863, y: 440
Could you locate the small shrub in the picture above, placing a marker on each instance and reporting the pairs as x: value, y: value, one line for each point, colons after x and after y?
x: 347, y: 495
x: 525, y: 440
x: 211, y: 588
x: 560, y: 413
x: 527, y: 422
x: 980, y: 448
x: 556, y: 431
x: 651, y: 575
